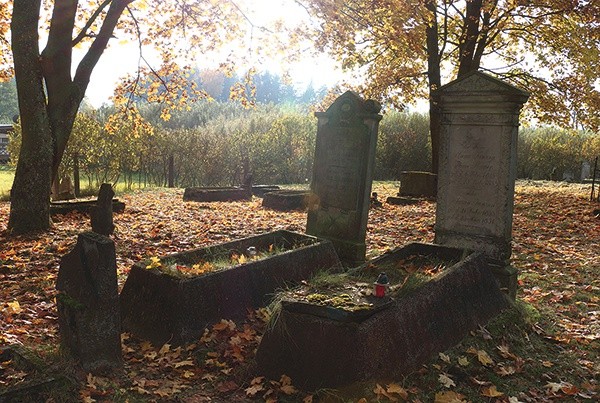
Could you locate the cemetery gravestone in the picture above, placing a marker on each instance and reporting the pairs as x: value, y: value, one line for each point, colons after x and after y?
x: 477, y: 169
x: 88, y: 303
x: 342, y: 174
x: 102, y: 219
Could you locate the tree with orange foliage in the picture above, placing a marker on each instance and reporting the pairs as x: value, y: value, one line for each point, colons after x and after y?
x: 49, y: 94
x: 405, y: 50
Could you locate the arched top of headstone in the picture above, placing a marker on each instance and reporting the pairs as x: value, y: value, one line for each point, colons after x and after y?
x: 349, y: 106
x: 477, y: 82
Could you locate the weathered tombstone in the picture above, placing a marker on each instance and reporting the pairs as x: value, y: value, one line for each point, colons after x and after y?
x: 88, y: 303
x: 477, y: 169
x: 102, y: 219
x: 342, y: 174
x: 287, y: 200
x: 417, y: 184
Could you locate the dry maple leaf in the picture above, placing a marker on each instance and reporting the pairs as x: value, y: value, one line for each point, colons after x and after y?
x: 397, y: 389
x: 484, y: 358
x: 491, y: 391
x: 380, y: 391
x: 252, y: 390
x: 446, y: 381
x: 449, y: 397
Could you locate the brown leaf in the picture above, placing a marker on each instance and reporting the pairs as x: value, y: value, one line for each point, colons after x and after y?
x: 491, y: 391
x: 449, y: 397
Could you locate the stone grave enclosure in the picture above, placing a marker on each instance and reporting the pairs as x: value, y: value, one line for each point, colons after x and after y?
x: 162, y: 307
x: 321, y: 351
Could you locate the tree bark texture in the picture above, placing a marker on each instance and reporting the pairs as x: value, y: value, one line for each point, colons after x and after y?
x: 30, y: 194
x: 435, y: 82
x: 47, y: 122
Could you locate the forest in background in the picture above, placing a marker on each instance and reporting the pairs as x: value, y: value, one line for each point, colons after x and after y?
x: 214, y: 142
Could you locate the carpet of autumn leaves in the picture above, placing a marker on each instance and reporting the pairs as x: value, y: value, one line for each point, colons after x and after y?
x: 545, y: 349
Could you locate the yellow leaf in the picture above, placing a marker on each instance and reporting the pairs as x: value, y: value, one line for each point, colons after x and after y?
x: 14, y: 308
x: 463, y: 361
x: 154, y: 263
x: 242, y: 259
x: 491, y: 392
x: 444, y: 358
x: 484, y: 358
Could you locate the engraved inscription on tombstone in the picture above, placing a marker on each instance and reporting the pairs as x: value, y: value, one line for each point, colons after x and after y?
x: 477, y: 168
x: 342, y: 174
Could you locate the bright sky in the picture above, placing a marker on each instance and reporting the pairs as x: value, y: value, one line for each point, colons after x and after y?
x: 121, y: 59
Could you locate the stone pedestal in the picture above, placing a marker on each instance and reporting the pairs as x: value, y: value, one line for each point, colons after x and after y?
x: 477, y: 168
x: 88, y: 304
x: 342, y: 175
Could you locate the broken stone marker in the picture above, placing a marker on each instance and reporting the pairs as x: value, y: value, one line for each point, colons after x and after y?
x: 88, y: 304
x: 102, y: 219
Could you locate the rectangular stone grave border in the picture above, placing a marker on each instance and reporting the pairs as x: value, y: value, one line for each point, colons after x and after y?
x: 162, y: 308
x: 82, y: 206
x: 217, y: 194
x: 322, y: 353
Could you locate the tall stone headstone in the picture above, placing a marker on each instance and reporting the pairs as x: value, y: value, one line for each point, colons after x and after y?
x: 89, y: 318
x: 342, y: 174
x: 477, y: 169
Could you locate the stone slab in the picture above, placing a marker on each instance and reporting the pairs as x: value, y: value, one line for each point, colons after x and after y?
x: 82, y: 206
x: 163, y: 308
x: 287, y: 200
x: 418, y: 184
x: 217, y: 194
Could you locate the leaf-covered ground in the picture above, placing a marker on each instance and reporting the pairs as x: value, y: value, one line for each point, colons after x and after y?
x: 545, y: 349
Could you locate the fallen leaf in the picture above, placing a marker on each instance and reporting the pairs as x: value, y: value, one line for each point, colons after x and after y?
x: 463, y: 361
x: 444, y: 358
x: 394, y: 388
x: 446, y: 381
x: 186, y: 363
x: 254, y: 389
x: 484, y: 358
x: 491, y: 392
x: 380, y: 391
x: 449, y: 397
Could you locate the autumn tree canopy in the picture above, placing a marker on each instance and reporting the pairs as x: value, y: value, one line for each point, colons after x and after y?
x: 51, y: 82
x: 404, y: 50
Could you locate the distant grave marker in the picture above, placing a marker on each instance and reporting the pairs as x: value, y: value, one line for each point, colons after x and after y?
x: 477, y: 169
x: 342, y: 174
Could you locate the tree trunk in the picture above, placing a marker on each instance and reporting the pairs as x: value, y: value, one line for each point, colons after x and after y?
x: 467, y: 61
x: 30, y: 194
x: 47, y: 123
x: 435, y: 82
